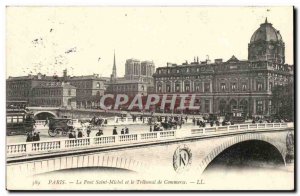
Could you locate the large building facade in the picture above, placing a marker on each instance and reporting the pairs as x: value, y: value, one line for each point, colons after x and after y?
x: 53, y: 94
x: 29, y: 88
x: 221, y: 87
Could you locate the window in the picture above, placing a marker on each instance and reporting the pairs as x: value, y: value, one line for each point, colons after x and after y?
x: 259, y: 107
x: 187, y: 87
x: 69, y: 92
x: 177, y: 87
x: 223, y: 86
x: 207, y: 106
x: 98, y: 85
x: 244, y: 87
x: 168, y: 88
x: 177, y: 70
x: 159, y: 88
x: 197, y: 87
x: 233, y: 86
x: 206, y: 87
x: 259, y: 86
x: 270, y: 86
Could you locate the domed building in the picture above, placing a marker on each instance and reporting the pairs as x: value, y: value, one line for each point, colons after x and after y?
x: 266, y: 44
x: 222, y: 87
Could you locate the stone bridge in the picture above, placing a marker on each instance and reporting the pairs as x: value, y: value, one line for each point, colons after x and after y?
x: 173, y: 152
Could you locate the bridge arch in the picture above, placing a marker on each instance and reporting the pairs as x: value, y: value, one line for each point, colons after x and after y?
x: 98, y: 160
x: 43, y: 115
x: 238, y: 140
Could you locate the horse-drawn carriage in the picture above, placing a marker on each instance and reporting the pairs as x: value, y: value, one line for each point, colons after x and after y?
x: 60, y: 126
x: 169, y: 125
x: 98, y: 121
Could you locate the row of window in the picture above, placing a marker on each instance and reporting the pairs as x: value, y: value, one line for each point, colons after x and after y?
x: 187, y: 87
x: 82, y: 84
x: 126, y: 87
x: 222, y: 87
x: 47, y: 92
x: 203, y: 68
x: 18, y: 93
x: 48, y: 102
x: 17, y: 85
x: 14, y: 119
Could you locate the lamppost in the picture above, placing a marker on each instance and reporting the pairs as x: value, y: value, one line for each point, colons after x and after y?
x: 72, y: 111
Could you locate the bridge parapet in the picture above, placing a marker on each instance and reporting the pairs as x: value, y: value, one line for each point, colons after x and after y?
x: 66, y: 145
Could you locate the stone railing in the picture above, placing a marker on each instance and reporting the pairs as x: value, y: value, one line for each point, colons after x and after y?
x: 41, y: 147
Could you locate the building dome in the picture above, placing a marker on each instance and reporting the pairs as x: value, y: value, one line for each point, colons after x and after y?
x: 266, y: 32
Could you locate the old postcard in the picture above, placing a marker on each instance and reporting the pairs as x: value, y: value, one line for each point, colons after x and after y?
x: 149, y: 98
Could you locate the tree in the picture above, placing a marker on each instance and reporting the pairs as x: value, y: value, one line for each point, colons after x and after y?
x: 283, y: 101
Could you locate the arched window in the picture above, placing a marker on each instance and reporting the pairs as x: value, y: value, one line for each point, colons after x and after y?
x: 259, y: 107
x: 159, y: 88
x: 177, y: 86
x: 98, y: 85
x: 186, y: 86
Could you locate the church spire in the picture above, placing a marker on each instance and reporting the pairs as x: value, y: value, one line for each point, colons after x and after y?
x: 114, y: 71
x: 266, y: 21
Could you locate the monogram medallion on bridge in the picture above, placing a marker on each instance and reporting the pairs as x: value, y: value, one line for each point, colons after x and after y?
x: 182, y: 159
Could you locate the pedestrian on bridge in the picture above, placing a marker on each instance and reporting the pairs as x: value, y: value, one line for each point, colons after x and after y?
x: 46, y: 122
x: 80, y: 135
x: 115, y: 131
x: 36, y: 137
x: 88, y: 131
x: 71, y: 135
x: 99, y: 133
x: 180, y: 124
x: 126, y: 130
x: 29, y: 137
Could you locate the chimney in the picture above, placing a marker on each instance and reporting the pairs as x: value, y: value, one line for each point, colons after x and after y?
x: 65, y: 73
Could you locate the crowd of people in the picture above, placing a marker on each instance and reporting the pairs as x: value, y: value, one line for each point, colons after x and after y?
x: 157, y: 123
x: 33, y: 137
x: 123, y: 131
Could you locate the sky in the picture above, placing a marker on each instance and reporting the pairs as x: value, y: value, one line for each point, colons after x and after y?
x: 83, y: 39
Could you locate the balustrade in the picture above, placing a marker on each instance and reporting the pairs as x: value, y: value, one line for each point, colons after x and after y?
x: 16, y: 149
x: 197, y: 131
x: 50, y: 146
x: 145, y: 136
x: 165, y: 134
x: 104, y: 140
x: 132, y: 137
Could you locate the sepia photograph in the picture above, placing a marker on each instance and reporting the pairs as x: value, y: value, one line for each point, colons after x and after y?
x: 162, y: 98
